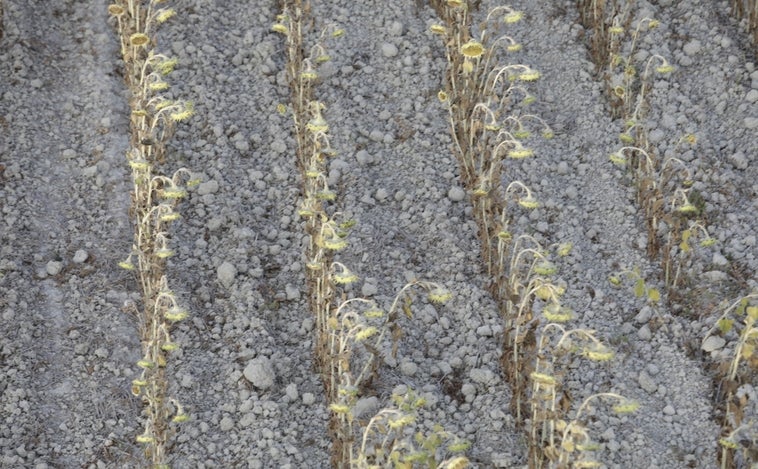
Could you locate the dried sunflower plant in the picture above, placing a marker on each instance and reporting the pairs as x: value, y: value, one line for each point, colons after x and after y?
x: 350, y: 334
x: 663, y: 185
x: 154, y: 200
x: 326, y: 230
x: 485, y: 101
x: 738, y: 323
x: 393, y: 439
x: 538, y: 350
x: 530, y: 279
x: 673, y: 221
x: 481, y: 99
x: 599, y: 16
x: 556, y: 440
x: 359, y: 341
x: 489, y: 125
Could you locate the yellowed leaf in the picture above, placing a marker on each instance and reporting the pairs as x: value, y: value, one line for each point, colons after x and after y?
x: 747, y: 350
x: 568, y: 446
x: 639, y: 288
x: 560, y: 425
x: 725, y: 325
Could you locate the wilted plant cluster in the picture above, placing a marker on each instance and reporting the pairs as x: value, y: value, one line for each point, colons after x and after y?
x: 337, y: 326
x: 673, y: 210
x: 481, y: 95
x: 153, y: 210
x: 391, y: 439
x: 601, y: 17
x: 490, y: 125
x: 673, y: 218
x: 326, y: 229
x: 358, y: 343
x: 350, y: 334
x: 562, y: 441
x: 528, y: 295
x: 738, y: 323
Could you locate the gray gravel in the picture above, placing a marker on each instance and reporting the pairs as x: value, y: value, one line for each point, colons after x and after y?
x: 68, y: 335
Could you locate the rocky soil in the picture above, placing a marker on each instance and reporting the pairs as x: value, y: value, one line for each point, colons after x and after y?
x: 68, y: 335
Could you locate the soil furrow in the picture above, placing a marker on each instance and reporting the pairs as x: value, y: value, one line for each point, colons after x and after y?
x: 66, y: 342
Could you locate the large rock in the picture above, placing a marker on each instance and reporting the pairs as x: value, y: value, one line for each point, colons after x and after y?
x: 260, y: 373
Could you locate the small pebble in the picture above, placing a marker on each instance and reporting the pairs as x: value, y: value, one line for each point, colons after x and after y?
x: 719, y: 260
x: 456, y: 194
x: 214, y: 223
x: 226, y: 273
x: 656, y: 136
x: 226, y: 424
x: 292, y: 292
x: 368, y: 289
x: 484, y: 331
x: 396, y: 28
x: 308, y: 398
x: 80, y: 256
x: 376, y: 135
x: 242, y: 145
x: 54, y: 267
x: 207, y: 187
x: 364, y: 157
x: 713, y: 343
x: 644, y: 315
x: 481, y: 375
x: 408, y: 368
x: 291, y: 391
x: 389, y: 50
x: 738, y: 160
x: 715, y: 276
x: 646, y: 382
x: 468, y: 389
x: 692, y: 47
x: 366, y: 406
x: 644, y: 333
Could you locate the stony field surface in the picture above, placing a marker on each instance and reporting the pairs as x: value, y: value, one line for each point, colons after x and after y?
x: 69, y: 344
